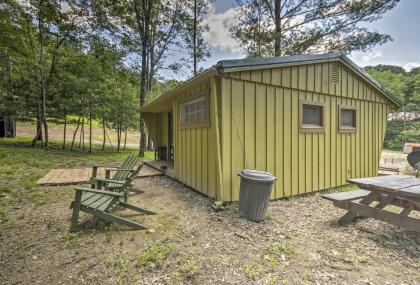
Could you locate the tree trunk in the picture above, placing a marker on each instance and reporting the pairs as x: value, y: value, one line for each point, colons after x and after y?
x: 195, y: 38
x: 143, y: 16
x: 9, y: 113
x: 38, y: 135
x: 125, y: 138
x: 81, y: 132
x: 44, y: 120
x: 104, y: 135
x: 110, y: 142
x: 74, y: 134
x: 65, y: 130
x: 118, y: 131
x: 120, y: 127
x: 41, y: 77
x: 277, y: 24
x: 90, y: 124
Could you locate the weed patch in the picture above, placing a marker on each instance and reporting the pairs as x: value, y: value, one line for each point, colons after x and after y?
x: 271, y: 256
x: 120, y: 264
x: 187, y: 268
x: 72, y: 239
x: 154, y: 255
x: 254, y: 269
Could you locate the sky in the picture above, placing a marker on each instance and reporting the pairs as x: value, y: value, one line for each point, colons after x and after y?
x: 402, y: 23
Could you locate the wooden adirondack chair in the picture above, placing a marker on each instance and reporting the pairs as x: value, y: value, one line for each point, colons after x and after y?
x: 122, y: 179
x: 101, y: 204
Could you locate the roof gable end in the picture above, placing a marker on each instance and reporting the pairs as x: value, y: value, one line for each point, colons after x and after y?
x: 273, y: 62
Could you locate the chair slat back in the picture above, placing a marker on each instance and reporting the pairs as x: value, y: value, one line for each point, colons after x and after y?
x: 129, y: 163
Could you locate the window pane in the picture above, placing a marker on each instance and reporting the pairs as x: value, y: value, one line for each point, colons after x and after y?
x: 199, y: 116
x: 194, y: 111
x: 312, y: 115
x: 199, y: 105
x: 348, y: 118
x: 193, y: 107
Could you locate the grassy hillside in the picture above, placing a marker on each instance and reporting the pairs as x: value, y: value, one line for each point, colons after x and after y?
x: 406, y: 86
x: 395, y: 135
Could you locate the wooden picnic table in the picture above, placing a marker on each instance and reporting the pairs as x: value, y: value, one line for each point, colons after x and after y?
x: 379, y: 192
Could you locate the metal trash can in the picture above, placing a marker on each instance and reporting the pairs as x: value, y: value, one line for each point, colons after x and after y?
x: 254, y: 194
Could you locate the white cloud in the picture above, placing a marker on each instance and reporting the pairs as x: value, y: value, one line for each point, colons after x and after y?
x: 372, y: 55
x: 410, y: 65
x: 219, y: 35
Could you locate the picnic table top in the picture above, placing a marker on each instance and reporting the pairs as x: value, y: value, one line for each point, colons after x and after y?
x: 399, y: 185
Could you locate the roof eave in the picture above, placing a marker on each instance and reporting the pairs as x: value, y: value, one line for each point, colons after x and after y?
x: 397, y: 102
x: 171, y: 93
x: 240, y: 65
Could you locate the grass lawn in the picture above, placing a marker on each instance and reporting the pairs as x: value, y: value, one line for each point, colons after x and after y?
x: 22, y: 165
x: 188, y: 242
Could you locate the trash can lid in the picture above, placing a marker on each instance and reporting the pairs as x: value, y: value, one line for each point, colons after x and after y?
x: 258, y: 175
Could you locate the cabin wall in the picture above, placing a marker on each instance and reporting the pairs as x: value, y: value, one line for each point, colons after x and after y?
x: 260, y: 128
x: 157, y: 127
x: 195, y: 150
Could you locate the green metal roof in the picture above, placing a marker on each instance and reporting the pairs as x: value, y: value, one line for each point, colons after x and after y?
x: 263, y: 62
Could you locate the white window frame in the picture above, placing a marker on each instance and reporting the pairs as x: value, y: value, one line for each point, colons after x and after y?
x: 204, y: 122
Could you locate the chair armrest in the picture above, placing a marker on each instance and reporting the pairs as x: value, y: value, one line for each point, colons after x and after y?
x: 120, y: 169
x: 104, y: 166
x: 117, y: 194
x: 93, y: 179
x: 96, y: 166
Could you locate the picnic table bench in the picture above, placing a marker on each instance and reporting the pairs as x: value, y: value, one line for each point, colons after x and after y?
x: 376, y: 194
x: 389, y: 168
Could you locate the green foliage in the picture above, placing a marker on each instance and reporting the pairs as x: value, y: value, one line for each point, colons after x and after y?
x: 406, y: 86
x: 268, y: 28
x: 72, y: 239
x: 254, y: 269
x: 279, y: 250
x: 119, y: 263
x: 83, y: 61
x: 393, y: 78
x: 154, y: 255
x: 395, y: 135
x: 187, y: 267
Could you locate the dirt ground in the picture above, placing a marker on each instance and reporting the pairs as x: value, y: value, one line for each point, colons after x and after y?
x: 190, y: 243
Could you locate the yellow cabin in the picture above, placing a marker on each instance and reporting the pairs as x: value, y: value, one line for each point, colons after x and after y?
x: 313, y: 121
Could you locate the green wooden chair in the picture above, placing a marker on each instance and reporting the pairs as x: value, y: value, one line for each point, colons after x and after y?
x: 101, y: 203
x: 122, y: 179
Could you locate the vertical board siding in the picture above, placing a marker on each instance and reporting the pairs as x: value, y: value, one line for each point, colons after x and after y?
x: 260, y: 128
x: 194, y: 151
x: 270, y: 131
x: 237, y: 147
x: 157, y: 127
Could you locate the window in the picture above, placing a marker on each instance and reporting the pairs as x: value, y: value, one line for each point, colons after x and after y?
x: 312, y: 117
x: 348, y: 119
x: 194, y: 112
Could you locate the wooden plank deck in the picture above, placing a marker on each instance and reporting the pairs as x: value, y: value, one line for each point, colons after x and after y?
x: 62, y: 176
x: 159, y: 165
